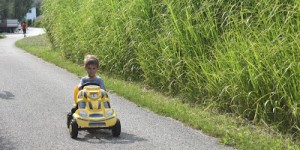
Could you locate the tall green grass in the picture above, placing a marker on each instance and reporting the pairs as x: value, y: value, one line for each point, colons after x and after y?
x: 239, y: 56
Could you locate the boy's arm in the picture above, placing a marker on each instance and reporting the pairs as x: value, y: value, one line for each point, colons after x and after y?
x: 102, y: 85
x: 80, y: 83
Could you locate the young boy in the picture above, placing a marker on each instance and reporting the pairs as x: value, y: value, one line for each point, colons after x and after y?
x: 91, y: 64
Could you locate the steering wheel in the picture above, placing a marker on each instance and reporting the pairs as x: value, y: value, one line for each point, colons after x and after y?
x: 89, y: 83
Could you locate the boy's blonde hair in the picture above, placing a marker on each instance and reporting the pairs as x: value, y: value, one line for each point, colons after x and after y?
x: 91, y: 60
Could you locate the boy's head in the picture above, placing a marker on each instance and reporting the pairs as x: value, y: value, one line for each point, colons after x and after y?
x: 91, y: 64
x: 91, y: 60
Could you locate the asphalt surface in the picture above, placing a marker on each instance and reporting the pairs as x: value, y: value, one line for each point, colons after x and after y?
x: 35, y: 97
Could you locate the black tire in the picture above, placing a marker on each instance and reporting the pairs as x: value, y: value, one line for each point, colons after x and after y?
x: 70, y: 115
x: 73, y: 129
x: 69, y: 118
x: 116, y: 129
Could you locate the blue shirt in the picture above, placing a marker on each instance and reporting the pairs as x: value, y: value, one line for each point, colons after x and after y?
x: 97, y: 80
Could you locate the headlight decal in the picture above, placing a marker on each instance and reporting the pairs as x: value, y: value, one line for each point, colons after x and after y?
x: 83, y: 114
x: 110, y: 112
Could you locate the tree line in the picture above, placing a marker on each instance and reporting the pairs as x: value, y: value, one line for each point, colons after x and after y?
x: 16, y: 9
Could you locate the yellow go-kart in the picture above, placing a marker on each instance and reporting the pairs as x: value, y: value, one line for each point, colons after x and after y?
x: 92, y: 111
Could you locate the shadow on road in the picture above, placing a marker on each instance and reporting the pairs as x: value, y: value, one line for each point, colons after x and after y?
x: 6, y: 95
x: 105, y: 136
x: 6, y: 144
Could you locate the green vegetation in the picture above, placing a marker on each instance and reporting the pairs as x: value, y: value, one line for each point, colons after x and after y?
x: 231, y: 130
x: 239, y: 57
x: 14, y: 8
x: 2, y: 36
x: 37, y: 24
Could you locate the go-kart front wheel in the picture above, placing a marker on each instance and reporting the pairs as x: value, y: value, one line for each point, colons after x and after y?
x: 69, y: 118
x: 73, y: 129
x: 116, y: 129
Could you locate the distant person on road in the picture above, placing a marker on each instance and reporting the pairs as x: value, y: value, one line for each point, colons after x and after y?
x: 24, y: 27
x: 91, y: 65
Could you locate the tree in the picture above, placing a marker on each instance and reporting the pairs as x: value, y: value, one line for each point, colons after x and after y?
x: 38, y: 8
x: 14, y: 8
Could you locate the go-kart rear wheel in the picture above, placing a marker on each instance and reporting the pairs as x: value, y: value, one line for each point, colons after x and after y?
x: 73, y: 129
x: 69, y: 118
x: 116, y: 129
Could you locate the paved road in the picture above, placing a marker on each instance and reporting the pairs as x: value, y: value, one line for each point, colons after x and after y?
x: 35, y: 97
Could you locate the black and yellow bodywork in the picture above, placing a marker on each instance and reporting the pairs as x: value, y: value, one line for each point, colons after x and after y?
x: 92, y: 110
